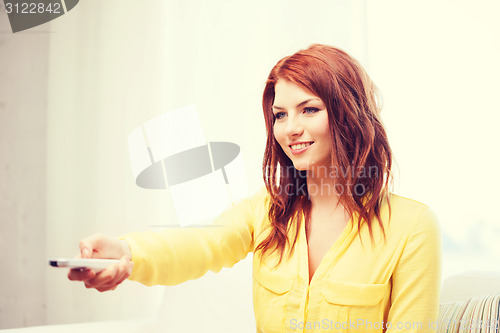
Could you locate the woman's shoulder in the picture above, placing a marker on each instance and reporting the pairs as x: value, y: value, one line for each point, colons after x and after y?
x: 402, y: 202
x: 411, y: 214
x: 256, y: 202
x: 260, y: 196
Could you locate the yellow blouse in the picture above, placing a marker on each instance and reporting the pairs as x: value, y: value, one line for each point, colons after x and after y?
x: 359, y: 286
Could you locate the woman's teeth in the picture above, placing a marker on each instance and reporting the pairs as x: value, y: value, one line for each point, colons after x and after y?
x: 301, y: 145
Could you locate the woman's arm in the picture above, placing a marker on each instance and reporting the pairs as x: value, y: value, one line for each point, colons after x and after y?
x: 173, y: 256
x: 417, y: 278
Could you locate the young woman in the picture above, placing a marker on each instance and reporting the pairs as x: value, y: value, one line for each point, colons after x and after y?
x: 334, y: 250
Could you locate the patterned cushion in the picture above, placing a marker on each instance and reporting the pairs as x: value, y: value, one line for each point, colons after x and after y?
x: 472, y: 315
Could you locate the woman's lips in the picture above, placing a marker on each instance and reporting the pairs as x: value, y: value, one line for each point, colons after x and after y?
x: 300, y: 150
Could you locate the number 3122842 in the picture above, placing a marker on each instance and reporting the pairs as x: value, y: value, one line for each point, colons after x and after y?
x: 33, y: 8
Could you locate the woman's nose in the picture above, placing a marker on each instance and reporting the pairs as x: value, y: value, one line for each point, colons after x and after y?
x: 294, y: 126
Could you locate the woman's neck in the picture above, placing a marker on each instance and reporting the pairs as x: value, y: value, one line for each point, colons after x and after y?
x: 323, y: 190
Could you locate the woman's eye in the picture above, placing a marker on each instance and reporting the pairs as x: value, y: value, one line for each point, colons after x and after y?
x: 279, y: 115
x: 311, y: 110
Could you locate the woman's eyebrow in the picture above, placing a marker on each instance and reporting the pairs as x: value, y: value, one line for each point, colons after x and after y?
x: 298, y: 105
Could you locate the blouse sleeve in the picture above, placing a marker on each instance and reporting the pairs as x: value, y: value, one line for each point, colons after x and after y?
x: 417, y: 278
x: 173, y: 256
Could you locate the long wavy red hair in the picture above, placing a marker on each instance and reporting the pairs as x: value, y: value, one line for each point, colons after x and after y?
x: 359, y: 142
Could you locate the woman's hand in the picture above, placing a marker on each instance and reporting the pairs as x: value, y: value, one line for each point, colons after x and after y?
x: 103, y: 247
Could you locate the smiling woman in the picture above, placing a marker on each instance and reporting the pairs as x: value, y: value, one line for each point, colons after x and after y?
x: 333, y: 248
x: 349, y: 136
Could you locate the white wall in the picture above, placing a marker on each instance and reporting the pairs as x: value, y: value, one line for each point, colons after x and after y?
x: 23, y: 110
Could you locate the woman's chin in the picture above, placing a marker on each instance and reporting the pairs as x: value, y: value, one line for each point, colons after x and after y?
x: 301, y: 166
x: 314, y: 167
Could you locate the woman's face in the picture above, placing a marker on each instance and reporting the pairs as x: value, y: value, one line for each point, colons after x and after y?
x: 301, y: 126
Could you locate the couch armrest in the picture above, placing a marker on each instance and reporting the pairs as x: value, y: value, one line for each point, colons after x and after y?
x: 461, y: 287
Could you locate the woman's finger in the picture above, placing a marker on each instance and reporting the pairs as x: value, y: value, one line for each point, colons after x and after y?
x: 122, y: 272
x: 90, y: 244
x: 110, y: 277
x: 102, y: 278
x: 81, y: 274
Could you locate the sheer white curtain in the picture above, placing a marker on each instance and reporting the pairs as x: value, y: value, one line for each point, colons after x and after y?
x: 115, y: 64
x: 437, y: 64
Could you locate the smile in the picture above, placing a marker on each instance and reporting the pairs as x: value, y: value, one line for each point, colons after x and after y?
x: 300, y: 147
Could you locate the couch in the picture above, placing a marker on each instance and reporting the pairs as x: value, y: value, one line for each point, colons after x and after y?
x: 469, y: 302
